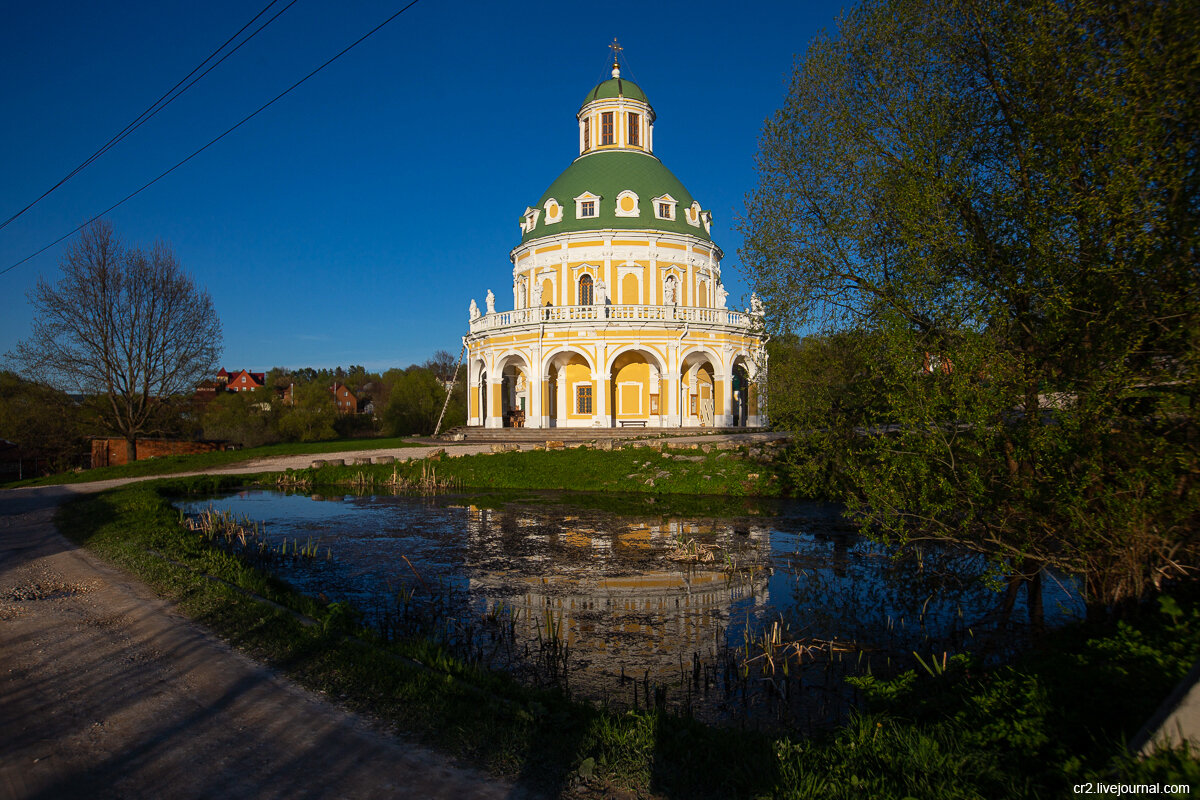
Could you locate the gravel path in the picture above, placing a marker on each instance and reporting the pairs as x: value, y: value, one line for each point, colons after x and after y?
x: 107, y: 692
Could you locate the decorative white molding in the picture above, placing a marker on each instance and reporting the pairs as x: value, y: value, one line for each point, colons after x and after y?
x: 554, y: 211
x: 622, y: 202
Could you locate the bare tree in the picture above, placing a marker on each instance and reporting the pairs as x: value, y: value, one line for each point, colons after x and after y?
x: 126, y: 325
x: 442, y: 365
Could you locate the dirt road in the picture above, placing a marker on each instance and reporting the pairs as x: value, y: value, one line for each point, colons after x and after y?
x: 107, y: 692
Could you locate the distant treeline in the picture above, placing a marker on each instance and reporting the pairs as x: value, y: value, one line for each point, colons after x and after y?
x: 51, y: 429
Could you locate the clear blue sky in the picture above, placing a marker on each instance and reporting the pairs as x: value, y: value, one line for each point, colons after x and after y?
x: 353, y: 221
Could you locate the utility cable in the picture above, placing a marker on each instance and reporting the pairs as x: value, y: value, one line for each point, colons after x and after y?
x: 230, y: 130
x: 159, y: 104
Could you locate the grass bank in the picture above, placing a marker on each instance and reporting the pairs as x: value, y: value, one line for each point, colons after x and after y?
x: 657, y: 469
x: 1033, y: 728
x: 170, y: 465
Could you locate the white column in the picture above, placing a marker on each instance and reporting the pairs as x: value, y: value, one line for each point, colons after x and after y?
x: 564, y: 401
x: 472, y: 397
x: 725, y: 380
x: 671, y: 420
x: 495, y: 404
x: 686, y: 409
x: 599, y: 400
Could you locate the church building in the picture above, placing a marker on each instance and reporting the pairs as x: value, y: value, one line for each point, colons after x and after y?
x: 618, y: 317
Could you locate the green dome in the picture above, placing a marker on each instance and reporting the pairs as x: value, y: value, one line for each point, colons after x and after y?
x: 616, y: 87
x: 607, y: 174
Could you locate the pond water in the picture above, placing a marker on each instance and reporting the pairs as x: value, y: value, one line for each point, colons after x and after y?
x: 747, y: 613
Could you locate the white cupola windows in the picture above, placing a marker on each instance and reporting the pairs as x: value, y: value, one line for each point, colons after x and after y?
x: 616, y: 123
x: 554, y: 211
x: 607, y: 131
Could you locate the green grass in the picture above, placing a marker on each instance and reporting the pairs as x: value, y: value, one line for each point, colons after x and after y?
x: 656, y: 471
x: 170, y: 465
x: 1030, y: 729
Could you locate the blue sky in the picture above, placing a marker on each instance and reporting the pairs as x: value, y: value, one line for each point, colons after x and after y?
x: 353, y: 221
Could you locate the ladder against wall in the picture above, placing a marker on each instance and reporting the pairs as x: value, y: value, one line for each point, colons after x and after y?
x: 453, y: 382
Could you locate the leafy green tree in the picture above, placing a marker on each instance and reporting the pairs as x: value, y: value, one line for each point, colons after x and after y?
x: 1003, y: 198
x: 311, y: 417
x: 243, y: 418
x: 414, y: 402
x: 48, y: 425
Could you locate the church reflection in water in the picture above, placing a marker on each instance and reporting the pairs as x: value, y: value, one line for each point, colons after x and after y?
x: 614, y: 594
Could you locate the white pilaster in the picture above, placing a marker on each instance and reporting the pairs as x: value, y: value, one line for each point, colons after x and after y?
x: 495, y: 404
x: 599, y: 400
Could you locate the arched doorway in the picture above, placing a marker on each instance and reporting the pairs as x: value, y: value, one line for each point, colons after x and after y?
x: 514, y: 392
x: 569, y: 400
x: 636, y: 389
x: 739, y: 400
x: 700, y: 400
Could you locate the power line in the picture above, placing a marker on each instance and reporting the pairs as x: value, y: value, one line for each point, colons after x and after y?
x: 159, y: 104
x: 228, y: 131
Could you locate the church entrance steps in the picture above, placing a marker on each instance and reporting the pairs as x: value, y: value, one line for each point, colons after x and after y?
x: 572, y: 435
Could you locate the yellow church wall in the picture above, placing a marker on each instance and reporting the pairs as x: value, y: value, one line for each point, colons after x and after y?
x: 494, y: 401
x: 631, y: 387
x: 574, y: 373
x: 629, y: 290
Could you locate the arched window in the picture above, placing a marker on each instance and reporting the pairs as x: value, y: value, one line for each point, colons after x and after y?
x: 585, y: 290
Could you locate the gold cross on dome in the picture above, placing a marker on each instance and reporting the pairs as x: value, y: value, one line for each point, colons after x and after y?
x: 616, y: 48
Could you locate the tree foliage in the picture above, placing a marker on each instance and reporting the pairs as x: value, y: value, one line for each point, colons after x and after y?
x: 124, y: 324
x: 1000, y: 201
x: 49, y: 426
x: 416, y: 399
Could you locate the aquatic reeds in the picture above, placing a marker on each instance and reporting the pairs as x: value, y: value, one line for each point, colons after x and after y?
x: 248, y: 539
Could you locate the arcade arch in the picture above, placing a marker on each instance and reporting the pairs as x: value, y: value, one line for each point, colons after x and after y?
x: 569, y: 390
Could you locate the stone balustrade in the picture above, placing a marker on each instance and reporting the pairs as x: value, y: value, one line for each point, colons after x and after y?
x: 636, y: 314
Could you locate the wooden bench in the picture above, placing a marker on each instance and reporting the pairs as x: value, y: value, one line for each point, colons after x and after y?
x: 632, y: 423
